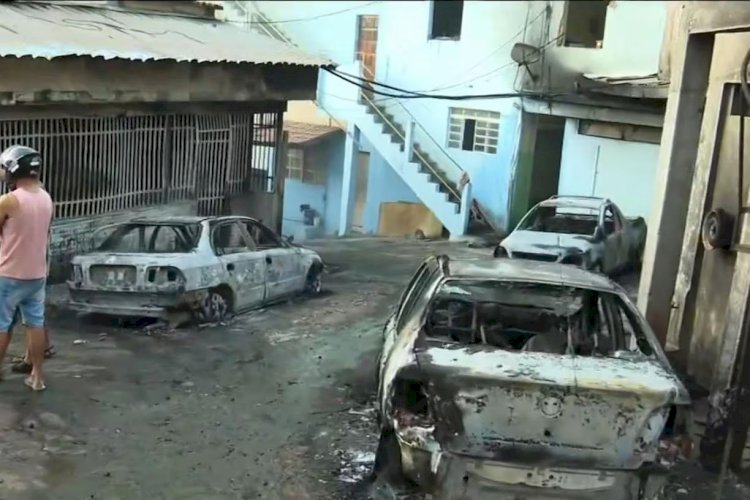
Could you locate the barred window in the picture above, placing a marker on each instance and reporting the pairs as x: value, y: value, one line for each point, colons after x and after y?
x: 473, y: 130
x: 295, y: 162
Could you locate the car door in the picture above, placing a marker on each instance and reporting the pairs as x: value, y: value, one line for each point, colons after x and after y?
x: 242, y: 264
x: 284, y: 270
x: 614, y: 249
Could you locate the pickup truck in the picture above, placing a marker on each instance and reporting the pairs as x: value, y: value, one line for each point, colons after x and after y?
x: 587, y: 232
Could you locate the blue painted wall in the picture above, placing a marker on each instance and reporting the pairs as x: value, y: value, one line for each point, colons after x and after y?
x: 325, y: 199
x: 383, y: 185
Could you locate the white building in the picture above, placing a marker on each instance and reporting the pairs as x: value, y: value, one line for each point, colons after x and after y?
x: 596, y: 134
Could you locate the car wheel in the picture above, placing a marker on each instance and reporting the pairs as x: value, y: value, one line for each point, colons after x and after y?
x: 314, y: 280
x: 214, y: 307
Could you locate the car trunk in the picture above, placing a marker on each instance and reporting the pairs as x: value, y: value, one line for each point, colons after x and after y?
x: 521, y: 407
x: 121, y: 271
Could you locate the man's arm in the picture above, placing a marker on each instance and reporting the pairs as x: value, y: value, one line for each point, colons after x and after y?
x: 8, y: 204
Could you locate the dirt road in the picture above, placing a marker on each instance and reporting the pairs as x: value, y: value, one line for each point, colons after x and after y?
x: 275, y: 404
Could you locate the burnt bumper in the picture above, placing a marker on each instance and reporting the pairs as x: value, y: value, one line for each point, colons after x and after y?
x: 451, y: 476
x: 131, y: 304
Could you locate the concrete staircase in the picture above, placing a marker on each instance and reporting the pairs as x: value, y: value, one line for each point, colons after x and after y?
x: 420, y: 161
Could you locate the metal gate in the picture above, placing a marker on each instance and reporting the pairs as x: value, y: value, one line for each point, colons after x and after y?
x: 102, y: 164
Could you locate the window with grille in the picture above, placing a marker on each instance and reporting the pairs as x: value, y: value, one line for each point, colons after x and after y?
x: 304, y: 168
x: 295, y: 163
x: 473, y: 130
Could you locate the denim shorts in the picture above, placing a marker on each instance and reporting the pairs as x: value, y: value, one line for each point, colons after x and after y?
x: 28, y: 296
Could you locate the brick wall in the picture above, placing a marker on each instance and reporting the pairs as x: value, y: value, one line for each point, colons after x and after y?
x: 73, y: 236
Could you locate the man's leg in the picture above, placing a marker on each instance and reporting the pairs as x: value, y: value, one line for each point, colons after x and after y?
x: 8, y: 306
x: 32, y: 310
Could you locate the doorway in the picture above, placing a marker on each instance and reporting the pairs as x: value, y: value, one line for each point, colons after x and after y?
x: 538, y: 169
x: 367, y: 41
x: 360, y: 194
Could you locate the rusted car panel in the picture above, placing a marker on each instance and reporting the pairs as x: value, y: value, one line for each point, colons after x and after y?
x: 587, y: 232
x: 146, y: 274
x: 477, y: 406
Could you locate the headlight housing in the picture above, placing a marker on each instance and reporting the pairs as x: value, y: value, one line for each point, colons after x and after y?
x: 500, y: 252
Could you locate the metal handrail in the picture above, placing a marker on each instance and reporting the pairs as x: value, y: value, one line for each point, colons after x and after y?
x: 368, y: 74
x: 444, y: 181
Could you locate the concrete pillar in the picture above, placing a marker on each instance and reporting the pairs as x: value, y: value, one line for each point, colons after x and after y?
x: 348, y: 179
x: 690, y: 64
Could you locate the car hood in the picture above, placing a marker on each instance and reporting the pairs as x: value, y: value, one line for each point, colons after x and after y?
x: 546, y: 243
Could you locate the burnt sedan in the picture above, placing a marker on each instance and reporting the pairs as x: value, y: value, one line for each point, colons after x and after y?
x: 583, y: 231
x: 209, y: 266
x: 519, y: 379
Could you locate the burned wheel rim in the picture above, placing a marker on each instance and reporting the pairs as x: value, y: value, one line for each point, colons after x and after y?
x: 214, y: 307
x: 314, y: 282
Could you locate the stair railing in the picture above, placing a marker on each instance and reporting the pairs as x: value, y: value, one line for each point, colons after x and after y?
x: 408, y: 138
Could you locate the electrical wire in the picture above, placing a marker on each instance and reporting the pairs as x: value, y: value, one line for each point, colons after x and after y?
x: 201, y: 18
x: 320, y: 16
x: 366, y: 84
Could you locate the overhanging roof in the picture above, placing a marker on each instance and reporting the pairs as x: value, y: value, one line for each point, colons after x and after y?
x: 44, y: 30
x: 305, y: 134
x: 638, y: 87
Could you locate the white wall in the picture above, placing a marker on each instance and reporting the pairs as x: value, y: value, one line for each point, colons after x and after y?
x: 623, y: 171
x: 633, y: 36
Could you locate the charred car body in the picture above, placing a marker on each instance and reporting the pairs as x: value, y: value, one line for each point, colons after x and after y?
x: 210, y: 266
x: 587, y: 232
x: 526, y: 379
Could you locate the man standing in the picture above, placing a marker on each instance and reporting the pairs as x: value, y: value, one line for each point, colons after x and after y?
x: 25, y: 215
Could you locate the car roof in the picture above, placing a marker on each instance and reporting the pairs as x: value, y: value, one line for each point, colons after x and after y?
x: 185, y: 219
x: 589, y: 202
x: 529, y: 271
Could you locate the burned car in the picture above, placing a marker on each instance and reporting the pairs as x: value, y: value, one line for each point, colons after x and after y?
x: 521, y: 379
x: 587, y: 232
x: 210, y: 266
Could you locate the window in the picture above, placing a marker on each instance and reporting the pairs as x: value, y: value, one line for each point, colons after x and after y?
x: 148, y: 238
x: 229, y: 238
x: 295, y: 162
x: 473, y: 130
x: 620, y: 131
x: 263, y: 237
x: 445, y: 19
x: 304, y: 168
x: 583, y: 23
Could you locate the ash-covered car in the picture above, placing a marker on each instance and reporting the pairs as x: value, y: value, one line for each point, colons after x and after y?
x: 587, y: 232
x: 209, y: 266
x: 520, y: 379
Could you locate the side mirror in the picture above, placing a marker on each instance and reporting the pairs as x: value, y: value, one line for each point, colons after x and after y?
x: 290, y: 239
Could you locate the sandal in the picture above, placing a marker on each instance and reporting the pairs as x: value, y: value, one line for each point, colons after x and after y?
x: 36, y: 388
x: 49, y: 352
x: 21, y: 367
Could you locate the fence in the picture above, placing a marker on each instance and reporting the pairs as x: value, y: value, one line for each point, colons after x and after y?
x: 102, y: 164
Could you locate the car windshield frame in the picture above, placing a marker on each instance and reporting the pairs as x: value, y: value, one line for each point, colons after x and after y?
x: 643, y: 345
x: 188, y: 234
x: 572, y: 210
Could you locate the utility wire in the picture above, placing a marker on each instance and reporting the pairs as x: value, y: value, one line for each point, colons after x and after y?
x: 366, y: 84
x: 319, y: 16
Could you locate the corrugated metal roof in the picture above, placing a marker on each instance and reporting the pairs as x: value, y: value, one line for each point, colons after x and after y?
x: 51, y: 30
x: 302, y: 133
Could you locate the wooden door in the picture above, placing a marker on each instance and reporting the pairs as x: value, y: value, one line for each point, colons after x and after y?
x: 360, y: 195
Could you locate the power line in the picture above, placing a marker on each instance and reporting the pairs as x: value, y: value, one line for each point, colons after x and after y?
x: 498, y: 49
x: 311, y: 18
x: 364, y: 84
